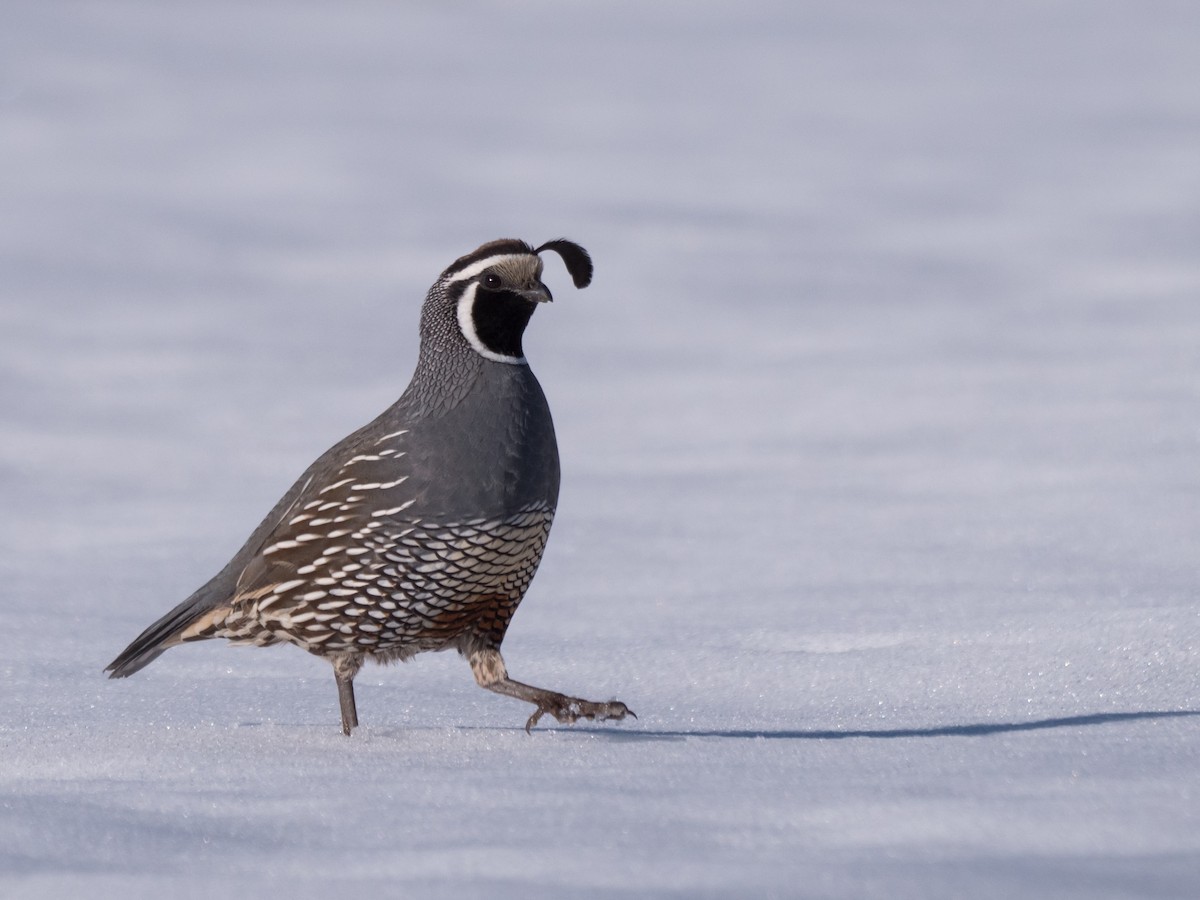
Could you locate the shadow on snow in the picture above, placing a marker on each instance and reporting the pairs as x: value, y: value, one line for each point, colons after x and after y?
x: 973, y: 729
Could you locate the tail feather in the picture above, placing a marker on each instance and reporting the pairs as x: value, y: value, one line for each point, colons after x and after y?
x: 169, y: 630
x: 163, y: 634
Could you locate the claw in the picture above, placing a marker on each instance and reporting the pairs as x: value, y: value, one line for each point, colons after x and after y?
x: 569, y: 710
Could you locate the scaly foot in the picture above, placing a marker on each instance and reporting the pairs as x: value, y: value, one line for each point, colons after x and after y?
x: 569, y: 710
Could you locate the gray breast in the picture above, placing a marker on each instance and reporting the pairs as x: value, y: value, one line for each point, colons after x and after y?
x: 492, y: 454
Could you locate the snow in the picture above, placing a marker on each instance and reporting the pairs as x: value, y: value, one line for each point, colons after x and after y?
x: 879, y: 430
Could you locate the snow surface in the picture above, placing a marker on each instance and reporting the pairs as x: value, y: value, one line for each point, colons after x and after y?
x: 879, y: 426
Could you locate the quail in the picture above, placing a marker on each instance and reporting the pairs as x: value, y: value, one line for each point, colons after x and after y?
x: 423, y: 529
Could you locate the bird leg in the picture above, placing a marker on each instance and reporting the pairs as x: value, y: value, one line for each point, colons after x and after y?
x: 490, y: 672
x: 344, y: 670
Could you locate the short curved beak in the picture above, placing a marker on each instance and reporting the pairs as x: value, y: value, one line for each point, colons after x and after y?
x: 539, y: 293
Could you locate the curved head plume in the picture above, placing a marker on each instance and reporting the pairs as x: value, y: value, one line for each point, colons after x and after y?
x: 574, y: 257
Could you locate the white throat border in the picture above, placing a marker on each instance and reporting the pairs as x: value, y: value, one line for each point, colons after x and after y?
x: 466, y: 324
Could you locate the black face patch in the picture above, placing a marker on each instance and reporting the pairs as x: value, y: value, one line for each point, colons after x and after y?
x: 500, y: 318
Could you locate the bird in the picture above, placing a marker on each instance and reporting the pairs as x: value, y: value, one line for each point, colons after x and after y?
x: 422, y: 530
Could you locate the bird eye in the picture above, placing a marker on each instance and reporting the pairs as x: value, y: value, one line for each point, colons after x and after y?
x: 491, y: 280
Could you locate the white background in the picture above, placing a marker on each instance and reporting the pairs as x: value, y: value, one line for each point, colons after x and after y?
x: 879, y: 429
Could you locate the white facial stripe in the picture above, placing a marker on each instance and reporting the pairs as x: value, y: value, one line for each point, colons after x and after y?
x: 476, y: 267
x: 466, y: 324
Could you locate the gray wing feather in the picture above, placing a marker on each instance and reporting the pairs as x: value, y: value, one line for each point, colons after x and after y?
x: 160, y: 636
x: 151, y: 643
x: 223, y: 586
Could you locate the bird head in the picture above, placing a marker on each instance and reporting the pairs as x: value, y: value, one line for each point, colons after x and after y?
x: 494, y: 290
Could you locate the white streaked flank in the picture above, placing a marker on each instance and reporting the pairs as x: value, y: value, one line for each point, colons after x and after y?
x: 280, y: 545
x: 378, y: 485
x: 336, y: 484
x: 391, y: 512
x: 388, y: 437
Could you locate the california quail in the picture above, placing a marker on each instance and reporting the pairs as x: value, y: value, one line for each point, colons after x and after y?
x: 423, y: 529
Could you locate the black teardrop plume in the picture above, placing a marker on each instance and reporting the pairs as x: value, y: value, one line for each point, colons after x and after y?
x: 578, y: 263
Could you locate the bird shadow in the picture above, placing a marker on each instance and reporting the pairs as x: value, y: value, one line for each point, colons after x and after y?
x: 971, y: 729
